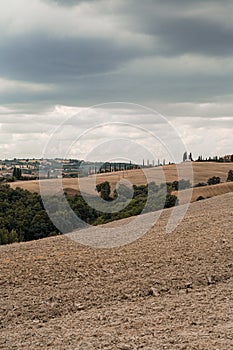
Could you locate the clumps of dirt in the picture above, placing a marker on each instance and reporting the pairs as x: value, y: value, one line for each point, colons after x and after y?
x: 164, y: 291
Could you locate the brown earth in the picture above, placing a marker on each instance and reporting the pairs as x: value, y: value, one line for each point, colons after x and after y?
x: 164, y: 291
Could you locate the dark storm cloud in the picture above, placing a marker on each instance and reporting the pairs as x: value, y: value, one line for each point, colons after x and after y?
x: 153, y: 7
x: 171, y: 55
x: 86, y: 66
x: 191, y: 35
x: 40, y: 59
x: 181, y: 27
x: 181, y: 3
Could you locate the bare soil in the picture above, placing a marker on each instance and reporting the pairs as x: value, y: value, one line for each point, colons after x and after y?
x: 164, y: 291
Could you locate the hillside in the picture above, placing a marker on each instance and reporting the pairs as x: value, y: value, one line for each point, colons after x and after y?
x: 164, y: 291
x: 201, y: 173
x: 206, y: 191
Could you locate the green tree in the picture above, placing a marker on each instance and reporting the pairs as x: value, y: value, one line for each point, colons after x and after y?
x: 214, y: 180
x: 17, y: 173
x: 200, y: 198
x: 12, y: 236
x: 183, y: 184
x: 18, y: 209
x: 123, y: 192
x: 104, y: 189
x: 200, y: 184
x: 180, y: 185
x: 4, y: 236
x: 185, y: 156
x: 153, y: 187
x: 171, y: 201
x: 230, y: 175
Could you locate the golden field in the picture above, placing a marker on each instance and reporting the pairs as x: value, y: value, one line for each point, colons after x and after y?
x: 197, y: 172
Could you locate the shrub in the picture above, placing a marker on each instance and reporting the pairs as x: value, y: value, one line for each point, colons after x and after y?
x: 201, y: 184
x: 123, y: 191
x: 200, y: 198
x: 183, y: 184
x: 180, y: 185
x: 104, y: 190
x: 230, y: 176
x: 7, y: 237
x: 171, y: 201
x: 214, y: 180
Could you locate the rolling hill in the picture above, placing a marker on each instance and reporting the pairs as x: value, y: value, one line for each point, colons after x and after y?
x: 163, y: 291
x: 201, y: 173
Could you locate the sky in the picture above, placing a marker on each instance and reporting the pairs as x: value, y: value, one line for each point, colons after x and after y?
x: 88, y: 78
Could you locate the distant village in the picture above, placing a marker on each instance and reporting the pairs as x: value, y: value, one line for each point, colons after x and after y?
x: 33, y: 169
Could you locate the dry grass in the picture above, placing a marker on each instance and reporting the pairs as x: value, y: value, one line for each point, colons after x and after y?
x: 206, y: 192
x: 201, y: 173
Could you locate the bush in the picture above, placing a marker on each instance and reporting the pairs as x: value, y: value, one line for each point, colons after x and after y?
x: 171, y: 201
x: 123, y: 191
x: 104, y: 190
x: 180, y: 185
x: 214, y: 180
x: 201, y: 184
x: 7, y: 237
x: 183, y: 184
x: 200, y: 198
x: 230, y: 176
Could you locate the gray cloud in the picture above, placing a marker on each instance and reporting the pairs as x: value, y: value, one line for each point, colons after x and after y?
x: 43, y: 59
x: 191, y: 35
x: 179, y: 27
x: 68, y: 2
x: 159, y: 53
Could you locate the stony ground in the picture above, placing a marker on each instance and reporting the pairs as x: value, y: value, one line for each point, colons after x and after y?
x: 164, y: 291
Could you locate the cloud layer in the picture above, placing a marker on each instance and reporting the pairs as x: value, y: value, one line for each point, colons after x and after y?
x: 174, y: 56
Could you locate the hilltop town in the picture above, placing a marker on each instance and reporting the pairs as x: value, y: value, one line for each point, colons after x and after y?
x: 35, y: 168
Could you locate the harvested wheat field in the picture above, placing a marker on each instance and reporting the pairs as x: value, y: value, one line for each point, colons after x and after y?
x: 205, y: 192
x: 164, y: 291
x: 201, y: 173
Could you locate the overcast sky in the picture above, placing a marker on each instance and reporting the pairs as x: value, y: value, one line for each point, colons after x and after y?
x: 58, y: 58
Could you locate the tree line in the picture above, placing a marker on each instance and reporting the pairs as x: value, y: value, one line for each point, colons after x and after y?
x: 214, y: 180
x: 24, y: 218
x: 218, y: 159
